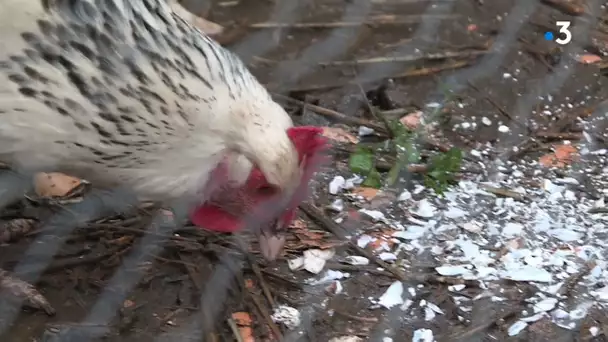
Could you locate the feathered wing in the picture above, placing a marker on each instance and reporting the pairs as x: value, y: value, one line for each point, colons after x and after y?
x: 118, y: 91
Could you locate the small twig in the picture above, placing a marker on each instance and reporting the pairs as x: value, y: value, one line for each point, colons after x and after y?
x: 435, y: 279
x: 80, y: 260
x: 395, y: 113
x: 357, y: 318
x: 522, y: 148
x: 258, y: 273
x: 235, y: 330
x: 571, y: 281
x: 409, y: 58
x: 411, y: 72
x: 497, y: 106
x: 296, y: 285
x: 568, y: 118
x: 105, y: 223
x: 139, y: 232
x: 376, y: 20
x: 332, y: 113
x: 169, y: 316
x: 565, y: 7
x: 559, y: 135
x: 172, y: 261
x: 468, y: 334
x: 373, y: 112
x: 240, y: 244
x: 599, y: 210
x: 427, y: 71
x: 192, y: 272
x: 331, y: 226
x: 539, y: 55
x: 262, y: 310
x: 352, y: 268
x: 504, y: 192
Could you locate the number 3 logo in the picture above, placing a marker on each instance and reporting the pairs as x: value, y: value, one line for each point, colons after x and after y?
x: 563, y: 28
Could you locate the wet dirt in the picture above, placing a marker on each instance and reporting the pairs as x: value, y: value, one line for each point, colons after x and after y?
x: 294, y: 61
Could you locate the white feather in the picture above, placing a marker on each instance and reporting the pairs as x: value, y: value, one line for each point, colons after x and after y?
x: 176, y: 157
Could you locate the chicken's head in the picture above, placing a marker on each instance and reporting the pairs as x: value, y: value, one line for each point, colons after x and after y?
x: 229, y: 206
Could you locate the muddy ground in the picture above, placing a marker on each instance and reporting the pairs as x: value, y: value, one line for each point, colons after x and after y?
x: 470, y: 50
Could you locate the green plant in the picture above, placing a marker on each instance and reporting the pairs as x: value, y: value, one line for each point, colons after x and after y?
x: 363, y: 162
x: 403, y: 147
x: 443, y: 167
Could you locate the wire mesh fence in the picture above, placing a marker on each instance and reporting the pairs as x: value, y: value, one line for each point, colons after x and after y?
x: 286, y: 74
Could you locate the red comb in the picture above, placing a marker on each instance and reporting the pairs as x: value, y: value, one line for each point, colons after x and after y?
x: 310, y: 144
x: 308, y: 140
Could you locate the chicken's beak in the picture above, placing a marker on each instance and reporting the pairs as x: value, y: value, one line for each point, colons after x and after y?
x: 271, y: 243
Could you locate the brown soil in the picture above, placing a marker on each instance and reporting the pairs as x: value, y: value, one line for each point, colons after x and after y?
x: 291, y: 61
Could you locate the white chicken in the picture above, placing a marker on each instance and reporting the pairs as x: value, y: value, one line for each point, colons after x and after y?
x: 127, y: 93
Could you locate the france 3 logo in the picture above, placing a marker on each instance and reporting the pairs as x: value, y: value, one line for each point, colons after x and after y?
x: 564, y: 35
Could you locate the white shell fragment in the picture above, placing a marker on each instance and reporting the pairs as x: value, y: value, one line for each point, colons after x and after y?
x: 393, y: 295
x: 425, y: 209
x: 373, y: 214
x: 527, y: 273
x: 423, y: 335
x: 518, y: 220
x: 364, y: 131
x: 346, y: 339
x: 357, y: 260
x: 313, y: 260
x: 517, y: 327
x: 545, y: 305
x: 337, y: 185
x: 286, y: 315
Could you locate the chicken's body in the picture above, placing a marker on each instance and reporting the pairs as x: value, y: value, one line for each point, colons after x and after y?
x: 124, y: 92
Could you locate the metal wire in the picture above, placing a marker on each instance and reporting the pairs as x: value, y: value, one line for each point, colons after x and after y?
x: 287, y: 73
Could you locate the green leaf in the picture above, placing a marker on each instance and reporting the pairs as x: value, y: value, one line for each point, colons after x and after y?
x: 443, y: 168
x: 361, y: 161
x: 397, y: 128
x: 436, y: 174
x: 439, y: 186
x: 373, y: 179
x: 449, y: 161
